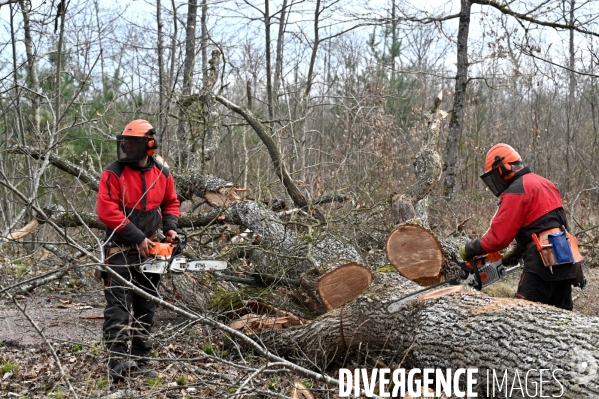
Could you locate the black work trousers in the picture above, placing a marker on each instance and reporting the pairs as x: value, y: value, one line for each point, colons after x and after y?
x: 557, y: 293
x: 122, y: 304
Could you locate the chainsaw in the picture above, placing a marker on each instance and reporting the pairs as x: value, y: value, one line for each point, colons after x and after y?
x: 165, y: 257
x: 478, y: 272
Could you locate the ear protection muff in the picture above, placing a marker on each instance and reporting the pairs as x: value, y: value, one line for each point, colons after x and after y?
x: 152, y: 145
x: 504, y: 172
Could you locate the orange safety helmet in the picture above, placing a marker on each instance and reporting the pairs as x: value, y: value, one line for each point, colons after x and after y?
x: 136, y: 142
x: 497, y: 173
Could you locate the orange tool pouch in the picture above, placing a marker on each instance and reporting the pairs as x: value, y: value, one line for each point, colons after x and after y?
x: 557, y: 247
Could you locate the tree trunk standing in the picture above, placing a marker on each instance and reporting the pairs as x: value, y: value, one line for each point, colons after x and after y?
x: 279, y: 55
x: 61, y: 12
x: 305, y: 98
x: 100, y: 32
x: 204, y: 41
x: 20, y: 124
x: 267, y: 56
x: 455, y: 123
x: 455, y: 328
x: 190, y: 45
x: 211, y: 136
x: 393, y: 39
x: 161, y: 87
x: 428, y: 167
x: 572, y: 88
x: 34, y: 83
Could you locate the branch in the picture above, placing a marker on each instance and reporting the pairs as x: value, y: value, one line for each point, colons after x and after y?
x: 7, y: 2
x: 263, y: 133
x: 85, y: 176
x: 526, y: 17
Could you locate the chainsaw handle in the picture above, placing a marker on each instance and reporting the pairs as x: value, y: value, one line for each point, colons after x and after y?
x: 479, y: 281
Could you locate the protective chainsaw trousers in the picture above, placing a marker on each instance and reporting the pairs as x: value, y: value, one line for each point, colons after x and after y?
x: 122, y: 304
x: 557, y: 293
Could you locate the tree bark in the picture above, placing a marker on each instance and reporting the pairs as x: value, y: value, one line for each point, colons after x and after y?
x: 190, y: 45
x: 455, y: 124
x: 322, y: 262
x: 428, y: 167
x: 453, y: 327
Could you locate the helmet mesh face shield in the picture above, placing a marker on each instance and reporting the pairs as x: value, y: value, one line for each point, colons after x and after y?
x: 494, y: 181
x: 131, y: 148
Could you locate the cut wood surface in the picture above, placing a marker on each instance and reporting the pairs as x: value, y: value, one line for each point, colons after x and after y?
x: 416, y: 254
x: 343, y: 283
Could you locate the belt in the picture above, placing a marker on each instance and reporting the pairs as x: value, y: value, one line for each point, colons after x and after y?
x: 543, y: 236
x: 123, y: 248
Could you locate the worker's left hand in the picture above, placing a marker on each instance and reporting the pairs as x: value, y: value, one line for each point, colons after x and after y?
x: 462, y: 252
x: 171, y: 236
x: 512, y: 256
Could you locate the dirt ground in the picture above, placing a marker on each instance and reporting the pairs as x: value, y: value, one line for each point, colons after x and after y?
x: 71, y: 321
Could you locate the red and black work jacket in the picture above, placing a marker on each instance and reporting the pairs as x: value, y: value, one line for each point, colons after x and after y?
x: 530, y: 204
x: 133, y: 201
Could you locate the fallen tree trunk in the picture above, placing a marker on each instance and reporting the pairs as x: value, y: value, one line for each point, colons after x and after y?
x: 454, y: 327
x: 330, y: 271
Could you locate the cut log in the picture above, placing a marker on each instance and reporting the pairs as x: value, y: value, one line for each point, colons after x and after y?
x: 416, y: 254
x: 448, y: 329
x: 343, y: 282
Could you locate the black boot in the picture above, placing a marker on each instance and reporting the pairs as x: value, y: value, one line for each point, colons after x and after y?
x: 122, y: 368
x: 145, y: 370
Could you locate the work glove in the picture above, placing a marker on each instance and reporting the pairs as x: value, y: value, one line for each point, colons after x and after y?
x: 582, y: 283
x: 462, y: 252
x: 580, y: 280
x: 512, y: 256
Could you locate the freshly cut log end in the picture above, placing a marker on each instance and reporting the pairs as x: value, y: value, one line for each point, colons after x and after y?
x: 416, y: 254
x: 343, y: 284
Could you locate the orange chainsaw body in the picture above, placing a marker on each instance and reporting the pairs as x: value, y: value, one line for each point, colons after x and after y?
x: 162, y: 249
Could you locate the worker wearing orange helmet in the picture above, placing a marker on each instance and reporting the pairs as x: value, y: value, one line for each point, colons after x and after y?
x: 136, y: 195
x: 529, y: 204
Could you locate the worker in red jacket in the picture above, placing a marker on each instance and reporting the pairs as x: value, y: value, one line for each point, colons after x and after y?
x: 135, y: 196
x: 529, y: 204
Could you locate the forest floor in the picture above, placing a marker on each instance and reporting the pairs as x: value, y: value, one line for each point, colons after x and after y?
x: 70, y: 319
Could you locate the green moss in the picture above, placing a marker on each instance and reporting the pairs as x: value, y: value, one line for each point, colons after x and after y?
x: 8, y: 367
x: 181, y: 380
x: 153, y: 381
x: 223, y: 300
x: 208, y: 349
x: 385, y: 269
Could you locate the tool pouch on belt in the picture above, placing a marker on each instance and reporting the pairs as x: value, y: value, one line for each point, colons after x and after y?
x: 557, y: 247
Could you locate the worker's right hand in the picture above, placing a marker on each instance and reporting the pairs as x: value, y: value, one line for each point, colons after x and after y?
x: 144, y: 248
